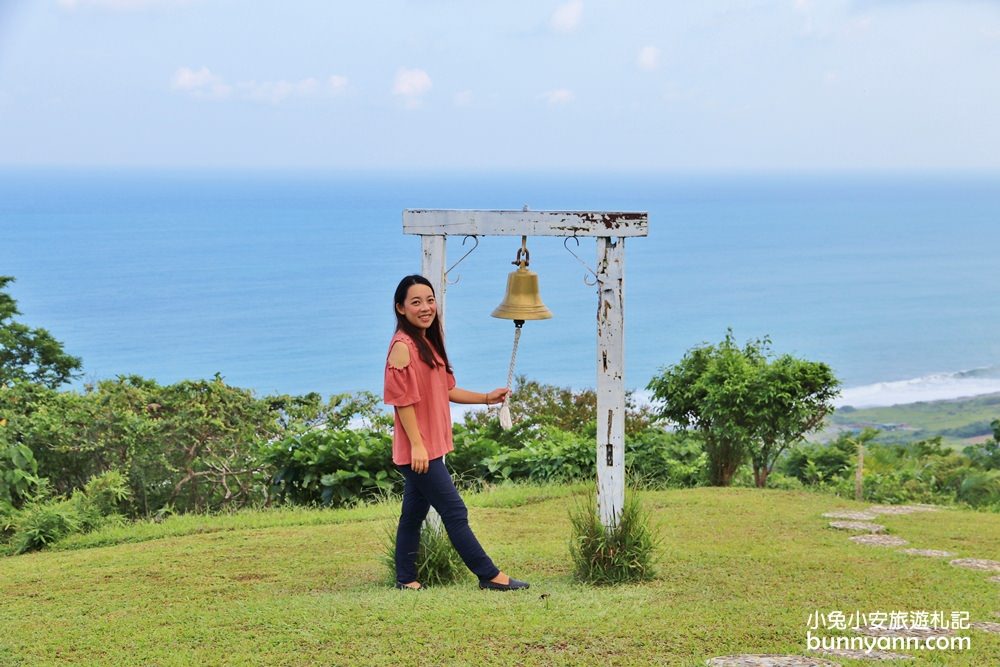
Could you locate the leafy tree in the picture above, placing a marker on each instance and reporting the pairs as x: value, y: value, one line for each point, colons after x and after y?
x: 30, y: 354
x: 707, y: 391
x: 792, y: 397
x: 532, y: 402
x: 986, y: 455
x: 744, y: 403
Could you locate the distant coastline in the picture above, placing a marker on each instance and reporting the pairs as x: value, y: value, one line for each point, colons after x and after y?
x: 957, y: 421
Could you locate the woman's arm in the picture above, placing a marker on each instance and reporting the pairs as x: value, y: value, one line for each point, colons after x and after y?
x: 418, y: 453
x: 459, y: 395
x: 399, y: 358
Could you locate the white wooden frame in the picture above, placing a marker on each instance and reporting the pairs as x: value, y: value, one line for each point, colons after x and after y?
x: 610, y: 229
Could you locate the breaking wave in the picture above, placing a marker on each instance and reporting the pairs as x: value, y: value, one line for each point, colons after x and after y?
x: 934, y: 387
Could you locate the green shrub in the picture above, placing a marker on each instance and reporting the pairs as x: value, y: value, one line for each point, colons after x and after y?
x: 813, y: 463
x: 100, y: 501
x: 39, y: 524
x: 556, y: 456
x: 474, y: 448
x: 438, y: 564
x: 980, y: 488
x: 45, y: 520
x: 563, y: 408
x: 656, y: 458
x: 331, y: 467
x: 621, y: 554
x: 777, y: 480
x: 18, y: 474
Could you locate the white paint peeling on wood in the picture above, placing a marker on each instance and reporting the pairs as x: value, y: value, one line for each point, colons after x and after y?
x: 432, y: 267
x: 524, y: 223
x: 610, y: 378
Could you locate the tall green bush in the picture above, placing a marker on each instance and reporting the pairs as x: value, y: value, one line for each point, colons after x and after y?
x: 18, y: 475
x: 623, y: 553
x: 660, y: 458
x: 46, y: 519
x: 331, y: 467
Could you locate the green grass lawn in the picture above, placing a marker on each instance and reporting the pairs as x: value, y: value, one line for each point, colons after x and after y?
x: 740, y: 572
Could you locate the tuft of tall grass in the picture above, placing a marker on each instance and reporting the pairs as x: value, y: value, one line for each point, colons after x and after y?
x: 623, y: 553
x: 438, y: 564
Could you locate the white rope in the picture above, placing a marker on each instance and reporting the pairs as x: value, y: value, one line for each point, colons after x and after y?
x: 505, y: 421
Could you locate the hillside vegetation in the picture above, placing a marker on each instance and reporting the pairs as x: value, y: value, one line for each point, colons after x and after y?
x: 958, y: 422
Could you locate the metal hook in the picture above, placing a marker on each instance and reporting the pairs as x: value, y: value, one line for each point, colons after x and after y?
x: 586, y: 281
x: 460, y: 259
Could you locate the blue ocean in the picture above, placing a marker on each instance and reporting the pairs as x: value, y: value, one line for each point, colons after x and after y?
x: 283, y: 281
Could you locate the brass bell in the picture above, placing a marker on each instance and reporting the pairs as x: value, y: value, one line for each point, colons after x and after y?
x: 522, y: 300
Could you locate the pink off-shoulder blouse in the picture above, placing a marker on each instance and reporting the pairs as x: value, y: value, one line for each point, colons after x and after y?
x: 426, y: 389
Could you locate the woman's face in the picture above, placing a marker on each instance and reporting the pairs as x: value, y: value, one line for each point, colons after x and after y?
x: 419, y: 307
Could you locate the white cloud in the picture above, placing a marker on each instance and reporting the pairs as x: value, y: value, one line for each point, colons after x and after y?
x: 648, y: 58
x: 337, y: 83
x: 411, y: 85
x: 566, y: 17
x: 125, y: 5
x: 200, y: 83
x: 558, y: 96
x: 203, y: 83
x: 464, y: 98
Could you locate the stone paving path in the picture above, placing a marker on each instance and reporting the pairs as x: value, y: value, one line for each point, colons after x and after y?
x: 855, y: 516
x: 859, y: 521
x: 977, y: 564
x: 901, y: 509
x: 930, y: 553
x: 879, y: 540
x: 872, y: 631
x: 865, y: 655
x: 858, y: 526
x: 769, y: 660
x: 986, y: 626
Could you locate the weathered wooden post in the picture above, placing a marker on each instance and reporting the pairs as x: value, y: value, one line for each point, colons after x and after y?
x: 610, y: 230
x: 610, y: 378
x: 859, y: 474
x: 432, y: 267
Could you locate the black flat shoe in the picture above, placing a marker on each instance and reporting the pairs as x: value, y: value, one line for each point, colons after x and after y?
x: 404, y: 587
x: 515, y: 584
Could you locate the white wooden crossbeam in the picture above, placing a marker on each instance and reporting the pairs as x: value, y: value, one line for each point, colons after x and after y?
x: 455, y: 222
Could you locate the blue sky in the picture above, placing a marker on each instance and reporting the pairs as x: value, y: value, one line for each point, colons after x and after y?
x: 519, y: 84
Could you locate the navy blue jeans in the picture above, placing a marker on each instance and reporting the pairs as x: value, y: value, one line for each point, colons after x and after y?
x: 435, y: 488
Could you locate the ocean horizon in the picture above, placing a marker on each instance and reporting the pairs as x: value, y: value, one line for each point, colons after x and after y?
x: 282, y: 281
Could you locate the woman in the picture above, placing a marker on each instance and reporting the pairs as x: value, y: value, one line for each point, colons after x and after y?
x: 419, y: 384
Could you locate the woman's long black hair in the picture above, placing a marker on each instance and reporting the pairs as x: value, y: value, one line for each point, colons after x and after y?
x: 434, y: 334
